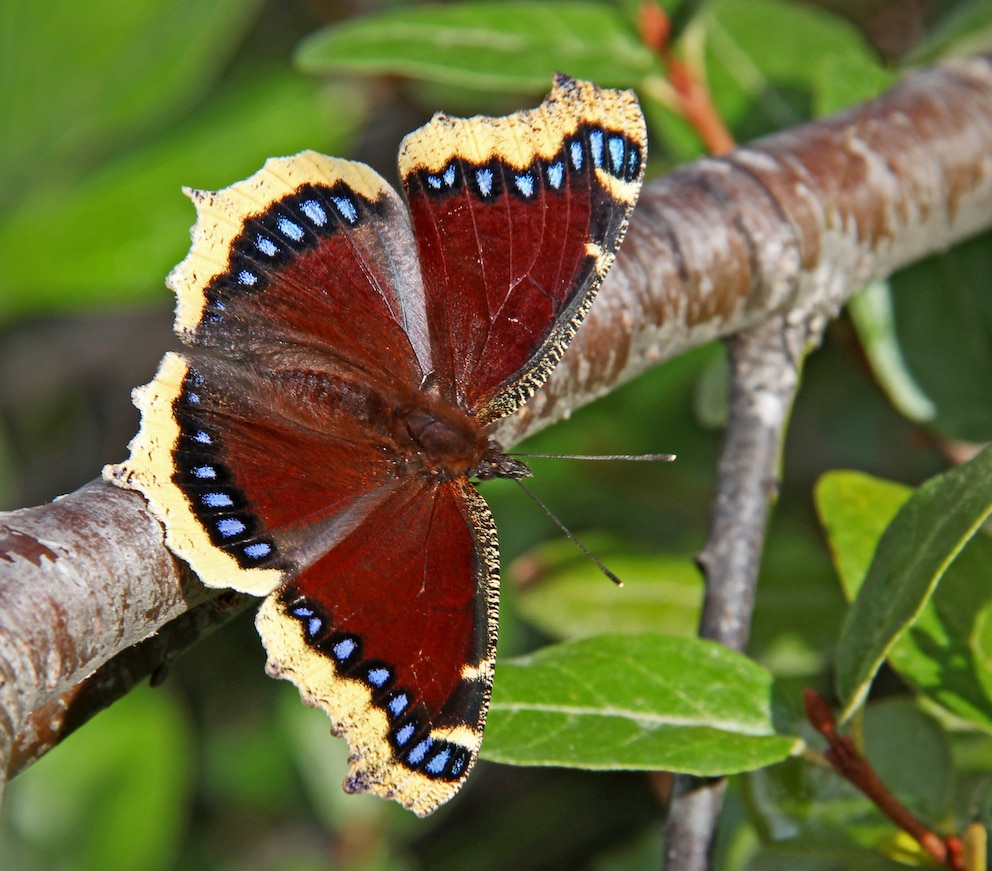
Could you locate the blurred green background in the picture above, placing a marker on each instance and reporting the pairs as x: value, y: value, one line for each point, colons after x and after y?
x: 108, y: 108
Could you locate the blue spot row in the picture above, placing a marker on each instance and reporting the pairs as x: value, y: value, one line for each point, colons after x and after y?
x: 409, y: 733
x: 270, y: 241
x: 218, y: 505
x: 589, y: 148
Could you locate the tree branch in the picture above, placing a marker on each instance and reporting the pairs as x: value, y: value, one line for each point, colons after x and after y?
x: 796, y: 222
x: 765, y: 364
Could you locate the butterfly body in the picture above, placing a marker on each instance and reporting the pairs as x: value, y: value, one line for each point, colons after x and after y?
x: 347, y: 357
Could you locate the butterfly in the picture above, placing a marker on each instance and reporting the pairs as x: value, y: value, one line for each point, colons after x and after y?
x: 348, y: 355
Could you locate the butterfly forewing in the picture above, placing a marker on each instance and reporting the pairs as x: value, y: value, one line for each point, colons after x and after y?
x: 517, y: 220
x: 295, y: 259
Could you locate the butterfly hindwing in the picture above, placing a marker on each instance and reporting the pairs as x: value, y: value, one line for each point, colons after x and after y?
x: 404, y: 675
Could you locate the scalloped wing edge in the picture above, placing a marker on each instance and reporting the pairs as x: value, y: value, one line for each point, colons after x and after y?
x: 149, y: 471
x: 349, y: 702
x: 524, y: 136
x: 221, y: 215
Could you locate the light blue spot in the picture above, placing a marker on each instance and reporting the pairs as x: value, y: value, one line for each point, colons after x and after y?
x: 416, y: 756
x: 398, y: 704
x: 344, y: 649
x: 633, y: 163
x: 315, y: 212
x: 615, y: 145
x: 458, y: 765
x: 302, y: 611
x: 258, y: 550
x: 219, y: 306
x: 266, y: 245
x: 484, y: 178
x: 436, y: 763
x: 596, y: 146
x: 556, y: 174
x: 290, y: 229
x: 405, y: 734
x: 229, y: 526
x: 378, y: 676
x: 435, y: 182
x: 449, y: 175
x: 217, y: 500
x: 525, y: 184
x: 314, y: 625
x: 193, y: 397
x: 346, y: 208
x: 203, y: 438
x: 248, y: 279
x: 577, y: 154
x: 205, y: 472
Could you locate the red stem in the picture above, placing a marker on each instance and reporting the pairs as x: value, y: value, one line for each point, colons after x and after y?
x: 694, y: 100
x: 851, y: 764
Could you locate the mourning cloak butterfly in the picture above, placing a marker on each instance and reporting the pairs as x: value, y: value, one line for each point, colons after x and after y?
x: 347, y: 357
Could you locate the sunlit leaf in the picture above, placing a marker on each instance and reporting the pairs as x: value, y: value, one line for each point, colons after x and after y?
x: 912, y: 556
x: 511, y: 46
x: 636, y: 702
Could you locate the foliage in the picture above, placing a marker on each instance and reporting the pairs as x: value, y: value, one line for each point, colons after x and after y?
x: 109, y: 108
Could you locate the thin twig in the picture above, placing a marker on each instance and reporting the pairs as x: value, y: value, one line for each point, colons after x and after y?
x: 850, y: 763
x: 765, y: 362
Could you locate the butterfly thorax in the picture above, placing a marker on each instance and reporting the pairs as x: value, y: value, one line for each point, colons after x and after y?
x: 437, y: 438
x: 440, y: 440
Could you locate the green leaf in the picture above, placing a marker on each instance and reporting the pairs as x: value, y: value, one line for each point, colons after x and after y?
x: 855, y: 509
x: 765, y: 60
x: 80, y: 78
x: 119, y: 232
x: 946, y: 336
x: 840, y: 81
x: 947, y: 652
x: 498, y: 46
x: 566, y: 596
x: 113, y: 795
x: 872, y: 315
x: 643, y: 702
x: 912, y: 556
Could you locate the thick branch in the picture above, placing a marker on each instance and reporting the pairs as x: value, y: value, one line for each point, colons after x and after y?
x: 801, y: 219
x: 797, y: 221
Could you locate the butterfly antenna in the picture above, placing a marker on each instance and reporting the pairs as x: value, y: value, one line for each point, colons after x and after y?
x: 639, y: 458
x: 568, y: 533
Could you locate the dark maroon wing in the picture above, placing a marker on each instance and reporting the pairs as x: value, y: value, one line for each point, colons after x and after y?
x: 517, y: 220
x: 269, y: 440
x: 405, y: 673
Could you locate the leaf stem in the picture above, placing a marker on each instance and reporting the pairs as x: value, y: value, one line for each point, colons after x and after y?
x: 848, y: 761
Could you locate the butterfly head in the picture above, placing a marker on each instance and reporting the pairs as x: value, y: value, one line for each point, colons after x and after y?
x: 496, y: 464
